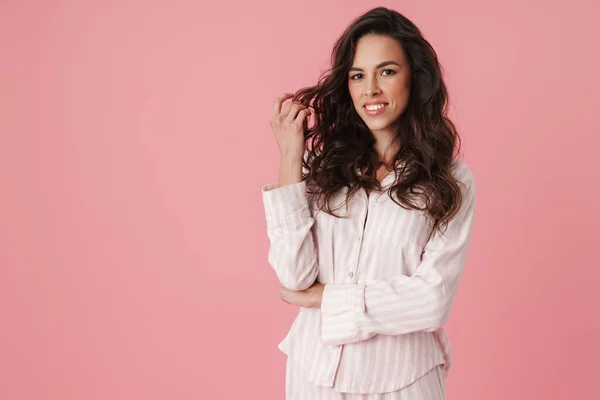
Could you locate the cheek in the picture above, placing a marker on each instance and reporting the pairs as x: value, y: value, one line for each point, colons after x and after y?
x: 354, y: 96
x: 405, y: 88
x: 400, y: 92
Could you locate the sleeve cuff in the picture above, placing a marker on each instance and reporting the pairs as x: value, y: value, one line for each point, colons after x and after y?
x: 340, y: 307
x: 286, y: 203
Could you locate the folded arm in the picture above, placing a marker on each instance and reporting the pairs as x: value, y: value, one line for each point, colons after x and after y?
x: 292, y: 251
x: 403, y: 304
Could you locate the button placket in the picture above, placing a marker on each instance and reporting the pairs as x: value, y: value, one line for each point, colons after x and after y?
x: 359, y: 239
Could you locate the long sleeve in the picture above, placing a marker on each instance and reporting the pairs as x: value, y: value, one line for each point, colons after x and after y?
x: 403, y: 304
x: 292, y: 252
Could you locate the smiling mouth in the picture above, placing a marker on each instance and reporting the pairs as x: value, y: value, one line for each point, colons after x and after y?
x: 376, y: 111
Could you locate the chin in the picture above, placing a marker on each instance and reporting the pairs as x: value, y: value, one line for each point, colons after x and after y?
x: 378, y: 125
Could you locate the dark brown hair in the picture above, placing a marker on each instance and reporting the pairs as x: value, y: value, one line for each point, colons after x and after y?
x: 339, y: 141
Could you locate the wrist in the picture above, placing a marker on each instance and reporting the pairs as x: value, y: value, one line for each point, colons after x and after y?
x: 318, y: 297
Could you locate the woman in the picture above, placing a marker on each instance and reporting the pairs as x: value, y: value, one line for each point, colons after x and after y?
x: 369, y: 228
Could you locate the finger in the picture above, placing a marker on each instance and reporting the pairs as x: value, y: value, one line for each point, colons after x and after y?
x: 301, y: 115
x: 293, y: 113
x: 286, y: 108
x: 299, y: 298
x: 289, y: 296
x: 278, y: 100
x: 284, y: 294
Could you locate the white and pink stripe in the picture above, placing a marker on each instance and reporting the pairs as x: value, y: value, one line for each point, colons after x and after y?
x: 388, y: 291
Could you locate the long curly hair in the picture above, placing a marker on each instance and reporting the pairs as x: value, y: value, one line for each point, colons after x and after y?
x: 339, y: 142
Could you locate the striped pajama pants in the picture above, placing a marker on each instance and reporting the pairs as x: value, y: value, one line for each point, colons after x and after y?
x: 297, y: 387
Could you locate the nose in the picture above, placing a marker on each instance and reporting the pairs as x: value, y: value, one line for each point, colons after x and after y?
x: 372, y: 88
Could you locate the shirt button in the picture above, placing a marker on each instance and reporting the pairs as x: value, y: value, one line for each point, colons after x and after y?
x: 350, y: 274
x: 358, y: 239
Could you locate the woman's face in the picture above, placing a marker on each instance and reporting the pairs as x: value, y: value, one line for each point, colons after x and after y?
x: 379, y: 74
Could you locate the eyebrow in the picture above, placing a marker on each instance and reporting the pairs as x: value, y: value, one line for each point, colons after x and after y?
x: 383, y: 64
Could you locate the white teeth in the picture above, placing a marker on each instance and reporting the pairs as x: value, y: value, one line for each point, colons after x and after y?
x: 375, y: 107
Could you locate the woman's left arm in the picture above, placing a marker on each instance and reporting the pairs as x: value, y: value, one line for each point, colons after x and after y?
x: 403, y: 304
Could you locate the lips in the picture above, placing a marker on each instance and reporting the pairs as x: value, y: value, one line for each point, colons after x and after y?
x: 374, y: 113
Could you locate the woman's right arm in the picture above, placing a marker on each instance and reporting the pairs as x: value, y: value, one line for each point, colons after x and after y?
x: 292, y: 252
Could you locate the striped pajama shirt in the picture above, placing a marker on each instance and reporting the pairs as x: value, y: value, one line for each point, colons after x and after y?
x: 388, y: 290
x: 298, y: 387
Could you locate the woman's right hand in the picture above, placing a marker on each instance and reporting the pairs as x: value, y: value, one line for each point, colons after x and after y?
x: 288, y: 127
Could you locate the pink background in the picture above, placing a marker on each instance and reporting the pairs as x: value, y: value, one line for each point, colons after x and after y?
x: 135, y: 138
